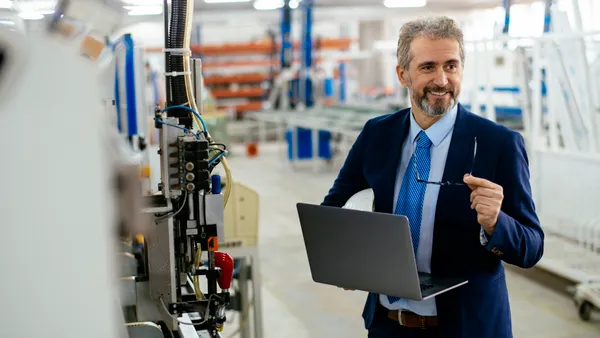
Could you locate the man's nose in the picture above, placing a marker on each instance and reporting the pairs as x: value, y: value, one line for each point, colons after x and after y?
x: 440, y: 80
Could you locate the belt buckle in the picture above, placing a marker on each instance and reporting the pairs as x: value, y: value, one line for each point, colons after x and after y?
x: 400, y: 317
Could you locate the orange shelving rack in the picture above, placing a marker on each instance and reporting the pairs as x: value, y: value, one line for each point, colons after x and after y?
x: 235, y: 72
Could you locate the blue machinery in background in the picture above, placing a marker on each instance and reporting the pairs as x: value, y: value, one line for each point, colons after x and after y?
x: 547, y: 16
x: 306, y: 58
x: 286, y: 35
x: 503, y: 112
x: 300, y: 140
x: 507, y: 4
x: 125, y: 100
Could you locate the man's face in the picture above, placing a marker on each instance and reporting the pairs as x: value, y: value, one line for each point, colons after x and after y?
x: 434, y: 75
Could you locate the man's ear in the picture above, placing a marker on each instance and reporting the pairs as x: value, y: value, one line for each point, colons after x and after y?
x: 401, y: 76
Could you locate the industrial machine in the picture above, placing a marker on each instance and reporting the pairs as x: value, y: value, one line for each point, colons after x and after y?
x: 86, y: 120
x: 174, y: 281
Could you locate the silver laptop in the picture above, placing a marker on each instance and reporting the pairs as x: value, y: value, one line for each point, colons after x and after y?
x: 366, y: 251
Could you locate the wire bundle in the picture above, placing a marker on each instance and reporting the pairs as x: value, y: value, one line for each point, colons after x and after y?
x: 183, y: 98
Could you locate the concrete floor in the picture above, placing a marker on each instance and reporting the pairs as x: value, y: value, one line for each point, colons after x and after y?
x: 295, y: 306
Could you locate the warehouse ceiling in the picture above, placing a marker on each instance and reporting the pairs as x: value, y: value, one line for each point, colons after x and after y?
x: 202, y: 5
x: 221, y: 10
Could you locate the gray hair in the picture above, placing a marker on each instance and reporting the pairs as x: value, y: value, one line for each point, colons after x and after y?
x: 440, y: 27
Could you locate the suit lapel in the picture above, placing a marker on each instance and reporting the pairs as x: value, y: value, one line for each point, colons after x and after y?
x: 459, y: 154
x: 390, y: 171
x: 457, y: 165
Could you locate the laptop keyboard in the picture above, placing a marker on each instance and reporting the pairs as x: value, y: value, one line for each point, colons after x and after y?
x: 425, y: 287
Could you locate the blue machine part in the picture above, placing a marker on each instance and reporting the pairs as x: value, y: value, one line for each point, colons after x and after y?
x: 118, y: 98
x: 507, y: 4
x: 304, y: 143
x: 286, y: 36
x: 328, y: 87
x: 216, y: 184
x: 547, y: 16
x: 510, y: 112
x: 307, y: 88
x: 342, y: 79
x: 125, y: 89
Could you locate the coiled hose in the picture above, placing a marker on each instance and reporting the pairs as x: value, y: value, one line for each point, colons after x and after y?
x: 176, y: 40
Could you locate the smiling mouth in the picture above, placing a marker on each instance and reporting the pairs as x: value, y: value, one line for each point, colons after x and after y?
x: 439, y: 94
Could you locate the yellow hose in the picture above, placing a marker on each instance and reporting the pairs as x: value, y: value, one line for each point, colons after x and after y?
x: 192, y: 101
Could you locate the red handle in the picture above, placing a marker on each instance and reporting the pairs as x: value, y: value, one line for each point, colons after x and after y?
x: 225, y: 263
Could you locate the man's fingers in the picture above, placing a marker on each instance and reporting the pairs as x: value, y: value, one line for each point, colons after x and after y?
x: 486, y: 192
x: 484, y: 210
x: 473, y: 181
x: 489, y: 202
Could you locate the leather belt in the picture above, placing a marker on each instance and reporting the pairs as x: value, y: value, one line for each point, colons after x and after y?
x: 413, y: 320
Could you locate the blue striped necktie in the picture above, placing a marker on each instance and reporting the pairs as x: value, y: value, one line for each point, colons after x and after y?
x: 412, y: 193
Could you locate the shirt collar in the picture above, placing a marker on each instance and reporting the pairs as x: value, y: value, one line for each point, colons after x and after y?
x: 439, y: 130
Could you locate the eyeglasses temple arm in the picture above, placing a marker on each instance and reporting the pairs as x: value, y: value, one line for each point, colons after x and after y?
x: 474, y: 155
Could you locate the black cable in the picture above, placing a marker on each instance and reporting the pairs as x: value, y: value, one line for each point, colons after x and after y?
x: 176, y: 39
x: 167, y: 54
x: 220, y: 144
x: 172, y: 214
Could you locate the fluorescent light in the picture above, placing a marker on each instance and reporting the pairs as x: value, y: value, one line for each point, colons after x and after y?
x: 265, y: 5
x: 6, y: 22
x: 143, y: 2
x: 31, y: 15
x: 6, y: 4
x: 224, y: 1
x: 144, y: 10
x: 404, y: 3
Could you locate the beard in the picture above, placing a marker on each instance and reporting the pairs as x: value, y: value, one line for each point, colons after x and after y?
x: 440, y: 106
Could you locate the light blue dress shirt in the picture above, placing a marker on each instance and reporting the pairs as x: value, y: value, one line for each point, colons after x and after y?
x: 440, y: 134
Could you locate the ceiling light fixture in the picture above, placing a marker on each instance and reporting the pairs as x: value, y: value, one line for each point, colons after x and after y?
x: 143, y: 2
x: 404, y: 3
x: 224, y: 1
x: 144, y: 10
x: 266, y: 5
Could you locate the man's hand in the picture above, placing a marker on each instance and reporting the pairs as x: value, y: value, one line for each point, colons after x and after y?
x: 486, y: 199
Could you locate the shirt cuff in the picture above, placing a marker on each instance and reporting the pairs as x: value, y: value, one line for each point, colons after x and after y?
x: 483, y: 238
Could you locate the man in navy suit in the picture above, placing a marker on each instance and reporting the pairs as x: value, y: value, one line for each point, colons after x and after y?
x: 463, y: 183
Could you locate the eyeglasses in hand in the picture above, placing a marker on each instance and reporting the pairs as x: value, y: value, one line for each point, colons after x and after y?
x: 447, y: 182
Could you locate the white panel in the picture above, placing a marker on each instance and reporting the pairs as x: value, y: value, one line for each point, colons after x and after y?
x: 57, y: 248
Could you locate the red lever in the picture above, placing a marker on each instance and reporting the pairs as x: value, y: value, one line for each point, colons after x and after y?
x: 225, y: 263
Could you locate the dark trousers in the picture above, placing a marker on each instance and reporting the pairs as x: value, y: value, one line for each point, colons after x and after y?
x: 383, y: 327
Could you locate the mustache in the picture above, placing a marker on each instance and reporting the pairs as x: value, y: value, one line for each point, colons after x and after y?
x: 437, y: 89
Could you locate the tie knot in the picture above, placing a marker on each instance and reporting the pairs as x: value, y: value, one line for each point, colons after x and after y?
x: 423, y: 141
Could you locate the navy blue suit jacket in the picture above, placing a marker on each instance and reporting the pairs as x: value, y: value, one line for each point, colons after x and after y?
x: 479, y: 309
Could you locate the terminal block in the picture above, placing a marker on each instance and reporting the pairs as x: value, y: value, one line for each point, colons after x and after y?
x: 194, y: 175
